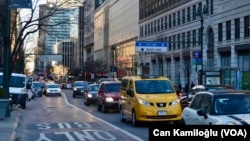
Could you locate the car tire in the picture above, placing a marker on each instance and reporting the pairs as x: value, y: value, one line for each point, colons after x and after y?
x: 104, y: 108
x: 122, y: 116
x: 23, y: 105
x: 135, y: 123
x: 98, y: 106
x: 182, y: 122
x: 87, y: 103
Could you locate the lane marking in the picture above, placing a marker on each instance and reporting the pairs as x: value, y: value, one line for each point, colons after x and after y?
x: 115, y: 127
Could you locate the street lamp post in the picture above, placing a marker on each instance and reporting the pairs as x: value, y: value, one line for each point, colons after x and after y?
x: 200, y: 12
x: 113, y: 64
x: 142, y: 63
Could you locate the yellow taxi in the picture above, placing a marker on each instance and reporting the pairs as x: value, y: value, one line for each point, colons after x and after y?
x: 149, y: 99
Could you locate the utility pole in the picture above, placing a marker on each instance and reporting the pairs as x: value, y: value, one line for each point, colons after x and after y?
x: 142, y: 63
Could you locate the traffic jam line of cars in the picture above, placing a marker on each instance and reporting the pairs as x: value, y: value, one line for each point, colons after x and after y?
x: 141, y: 99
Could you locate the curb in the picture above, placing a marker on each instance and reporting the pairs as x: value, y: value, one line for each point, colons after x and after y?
x: 13, y: 133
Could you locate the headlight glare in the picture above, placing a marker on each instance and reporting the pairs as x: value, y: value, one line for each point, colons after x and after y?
x: 143, y: 102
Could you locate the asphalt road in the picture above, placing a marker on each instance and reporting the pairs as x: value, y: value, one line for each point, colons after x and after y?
x: 112, y: 117
x: 66, y: 119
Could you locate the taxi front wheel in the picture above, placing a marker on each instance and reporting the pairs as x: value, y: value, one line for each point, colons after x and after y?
x: 135, y: 122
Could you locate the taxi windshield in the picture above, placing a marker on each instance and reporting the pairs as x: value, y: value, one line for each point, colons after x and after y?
x: 153, y: 87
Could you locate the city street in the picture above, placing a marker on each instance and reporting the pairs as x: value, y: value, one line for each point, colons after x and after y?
x: 55, y: 118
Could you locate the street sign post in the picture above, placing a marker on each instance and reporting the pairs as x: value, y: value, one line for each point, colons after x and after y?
x: 151, y: 46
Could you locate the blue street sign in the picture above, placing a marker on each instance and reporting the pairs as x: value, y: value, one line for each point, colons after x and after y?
x: 21, y: 4
x: 196, y: 54
x: 151, y: 46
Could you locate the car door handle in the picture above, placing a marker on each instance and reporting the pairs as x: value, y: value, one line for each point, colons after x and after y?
x: 196, y: 118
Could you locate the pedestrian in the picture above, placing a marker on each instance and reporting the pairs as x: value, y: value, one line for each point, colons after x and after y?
x: 192, y: 85
x: 180, y: 87
x: 186, y: 88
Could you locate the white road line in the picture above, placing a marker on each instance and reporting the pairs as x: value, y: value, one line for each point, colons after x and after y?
x: 117, y: 128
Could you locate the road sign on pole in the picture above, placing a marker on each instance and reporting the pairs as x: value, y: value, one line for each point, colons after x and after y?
x: 151, y: 46
x: 21, y: 4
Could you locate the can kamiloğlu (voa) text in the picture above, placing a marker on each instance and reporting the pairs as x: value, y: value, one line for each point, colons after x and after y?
x: 206, y: 133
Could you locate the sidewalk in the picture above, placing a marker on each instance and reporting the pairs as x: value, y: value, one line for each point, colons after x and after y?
x: 8, y: 125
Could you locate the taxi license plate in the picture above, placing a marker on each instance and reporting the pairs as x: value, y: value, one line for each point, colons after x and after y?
x: 162, y: 113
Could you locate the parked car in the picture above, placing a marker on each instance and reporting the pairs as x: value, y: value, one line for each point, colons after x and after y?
x: 105, y: 79
x: 108, y: 96
x: 90, y: 94
x: 218, y: 107
x: 52, y: 89
x: 79, y: 87
x: 199, y: 88
x: 36, y: 88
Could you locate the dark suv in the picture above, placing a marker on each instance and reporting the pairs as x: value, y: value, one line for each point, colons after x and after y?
x: 79, y: 87
x: 108, y: 96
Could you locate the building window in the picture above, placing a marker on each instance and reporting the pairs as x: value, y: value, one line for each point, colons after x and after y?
x: 166, y: 23
x: 228, y: 30
x: 194, y: 38
x: 141, y: 31
x: 169, y: 20
x: 210, y: 63
x: 179, y: 18
x: 158, y: 26
x: 220, y: 32
x: 188, y: 14
x: 178, y: 41
x: 170, y: 43
x: 194, y: 12
x: 162, y: 24
x: 174, y: 42
x: 245, y: 69
x: 154, y: 27
x: 188, y: 39
x: 151, y: 28
x: 148, y: 29
x: 246, y: 26
x: 211, y: 7
x: 183, y: 16
x: 174, y: 19
x: 226, y: 59
x: 183, y: 40
x: 237, y: 28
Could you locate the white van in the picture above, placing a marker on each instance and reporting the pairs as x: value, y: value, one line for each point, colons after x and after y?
x: 18, y: 88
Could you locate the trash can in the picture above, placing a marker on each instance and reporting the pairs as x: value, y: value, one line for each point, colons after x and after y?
x: 4, y: 108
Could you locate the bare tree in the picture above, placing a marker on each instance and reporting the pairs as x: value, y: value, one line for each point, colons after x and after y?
x: 29, y: 24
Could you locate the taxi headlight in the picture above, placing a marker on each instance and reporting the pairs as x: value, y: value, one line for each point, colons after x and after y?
x: 143, y: 102
x: 89, y: 95
x: 75, y: 89
x: 175, y: 102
